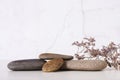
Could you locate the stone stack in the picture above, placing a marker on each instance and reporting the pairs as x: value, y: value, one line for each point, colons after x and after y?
x: 51, y: 62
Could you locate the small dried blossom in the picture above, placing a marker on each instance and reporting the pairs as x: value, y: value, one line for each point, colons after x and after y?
x: 94, y: 52
x: 79, y: 57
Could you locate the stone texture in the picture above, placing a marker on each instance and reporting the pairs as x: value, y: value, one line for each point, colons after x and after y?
x: 27, y: 64
x: 87, y: 65
x: 53, y: 65
x: 49, y: 56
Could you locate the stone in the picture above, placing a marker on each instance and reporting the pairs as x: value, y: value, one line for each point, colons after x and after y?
x: 84, y: 65
x: 49, y: 56
x: 26, y: 65
x: 53, y: 65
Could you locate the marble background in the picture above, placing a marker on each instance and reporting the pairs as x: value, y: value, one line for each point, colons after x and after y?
x: 30, y: 27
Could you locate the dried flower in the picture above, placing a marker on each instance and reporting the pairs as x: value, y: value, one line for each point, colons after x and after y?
x: 110, y: 53
x: 79, y: 57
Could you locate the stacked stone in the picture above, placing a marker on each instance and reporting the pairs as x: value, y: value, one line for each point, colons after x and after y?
x: 51, y: 62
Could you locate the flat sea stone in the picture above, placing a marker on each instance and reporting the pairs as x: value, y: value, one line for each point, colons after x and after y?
x: 84, y: 65
x: 26, y: 65
x: 53, y: 65
x: 49, y: 56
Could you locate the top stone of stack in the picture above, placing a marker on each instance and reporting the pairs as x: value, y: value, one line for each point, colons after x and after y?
x: 49, y: 56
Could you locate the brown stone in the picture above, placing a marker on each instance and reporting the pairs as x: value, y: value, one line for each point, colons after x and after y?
x: 53, y: 65
x: 86, y: 65
x: 49, y: 56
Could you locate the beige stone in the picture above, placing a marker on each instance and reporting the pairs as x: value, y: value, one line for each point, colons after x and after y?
x: 49, y: 56
x: 87, y: 65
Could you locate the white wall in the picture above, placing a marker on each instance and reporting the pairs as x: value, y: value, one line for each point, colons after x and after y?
x: 30, y: 27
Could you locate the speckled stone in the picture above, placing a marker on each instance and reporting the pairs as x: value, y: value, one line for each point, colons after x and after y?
x: 84, y: 65
x: 53, y: 65
x: 49, y: 56
x: 26, y: 65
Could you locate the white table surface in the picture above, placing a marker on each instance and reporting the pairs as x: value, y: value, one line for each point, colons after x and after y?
x: 107, y: 74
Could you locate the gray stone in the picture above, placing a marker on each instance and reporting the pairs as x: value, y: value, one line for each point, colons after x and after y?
x: 85, y: 65
x: 27, y: 64
x: 49, y: 56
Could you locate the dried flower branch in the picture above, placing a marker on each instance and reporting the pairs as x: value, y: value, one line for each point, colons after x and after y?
x: 110, y: 53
